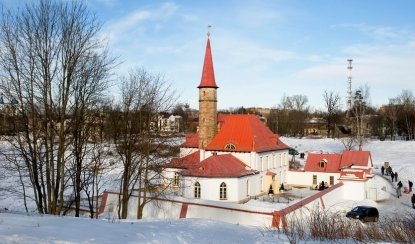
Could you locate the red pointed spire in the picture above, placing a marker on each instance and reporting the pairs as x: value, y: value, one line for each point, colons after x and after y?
x: 208, y: 75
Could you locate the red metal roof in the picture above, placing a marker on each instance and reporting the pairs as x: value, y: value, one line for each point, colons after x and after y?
x: 335, y: 162
x: 332, y: 162
x: 192, y: 140
x: 220, y: 166
x: 208, y: 75
x: 357, y: 158
x: 185, y: 162
x: 246, y: 132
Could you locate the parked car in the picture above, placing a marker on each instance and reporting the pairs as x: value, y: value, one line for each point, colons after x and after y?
x: 364, y: 213
x: 292, y: 151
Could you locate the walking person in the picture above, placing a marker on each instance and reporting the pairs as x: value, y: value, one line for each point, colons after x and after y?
x: 399, y: 189
x: 382, y: 170
x: 396, y: 176
x: 392, y: 176
x: 413, y: 200
x: 410, y: 184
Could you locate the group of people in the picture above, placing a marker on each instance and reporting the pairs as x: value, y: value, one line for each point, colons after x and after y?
x: 394, y: 177
x: 388, y: 171
x: 323, y: 185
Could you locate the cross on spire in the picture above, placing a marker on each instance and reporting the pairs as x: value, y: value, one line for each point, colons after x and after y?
x: 208, y: 33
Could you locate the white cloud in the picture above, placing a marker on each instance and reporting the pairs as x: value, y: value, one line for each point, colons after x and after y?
x: 136, y: 21
x: 385, y: 33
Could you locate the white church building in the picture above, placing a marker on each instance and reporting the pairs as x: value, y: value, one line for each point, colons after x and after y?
x: 231, y: 157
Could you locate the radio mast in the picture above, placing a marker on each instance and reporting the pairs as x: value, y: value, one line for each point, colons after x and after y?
x: 349, y: 88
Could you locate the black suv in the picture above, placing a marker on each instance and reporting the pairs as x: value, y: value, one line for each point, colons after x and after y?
x: 364, y: 213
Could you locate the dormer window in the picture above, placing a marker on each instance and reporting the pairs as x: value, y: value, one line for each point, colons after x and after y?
x: 230, y: 146
x: 322, y: 163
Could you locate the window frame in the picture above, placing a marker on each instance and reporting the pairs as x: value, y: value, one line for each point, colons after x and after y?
x: 331, y: 180
x: 230, y: 146
x: 176, y: 179
x: 197, y: 190
x: 223, y: 194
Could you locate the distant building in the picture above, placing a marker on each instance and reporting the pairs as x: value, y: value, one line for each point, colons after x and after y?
x: 170, y: 124
x: 315, y: 127
x: 263, y: 112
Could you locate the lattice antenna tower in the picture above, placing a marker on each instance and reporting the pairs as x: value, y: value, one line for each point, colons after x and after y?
x: 349, y: 86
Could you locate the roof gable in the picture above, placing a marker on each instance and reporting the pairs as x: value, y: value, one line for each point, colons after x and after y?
x: 356, y: 158
x: 246, y: 132
x: 220, y: 166
x: 186, y: 162
x: 191, y: 140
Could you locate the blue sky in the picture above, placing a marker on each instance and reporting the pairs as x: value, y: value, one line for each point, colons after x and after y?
x: 265, y: 49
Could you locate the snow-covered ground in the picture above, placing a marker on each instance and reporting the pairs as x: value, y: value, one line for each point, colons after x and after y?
x: 19, y: 228
x: 50, y: 229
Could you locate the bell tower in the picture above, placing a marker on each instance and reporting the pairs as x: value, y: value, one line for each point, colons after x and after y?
x: 207, y: 100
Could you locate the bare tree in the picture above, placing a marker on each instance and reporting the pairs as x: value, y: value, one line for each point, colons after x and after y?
x: 390, y: 112
x: 138, y: 144
x: 407, y: 101
x: 53, y: 66
x: 332, y: 103
x: 349, y: 142
x: 292, y: 113
x: 360, y: 105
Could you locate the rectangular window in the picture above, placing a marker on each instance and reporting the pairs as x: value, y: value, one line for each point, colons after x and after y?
x: 331, y: 180
x: 314, y: 179
x: 176, y: 179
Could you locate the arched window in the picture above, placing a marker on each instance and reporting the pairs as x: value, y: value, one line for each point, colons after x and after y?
x: 197, y: 190
x: 222, y: 191
x: 176, y: 179
x: 230, y: 146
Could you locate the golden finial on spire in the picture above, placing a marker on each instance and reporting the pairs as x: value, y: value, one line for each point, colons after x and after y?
x: 208, y: 33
